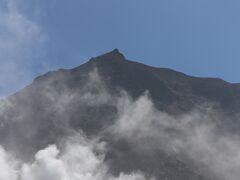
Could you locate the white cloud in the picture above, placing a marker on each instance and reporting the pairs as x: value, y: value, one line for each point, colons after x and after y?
x: 19, y: 38
x: 46, y: 166
x: 76, y: 161
x: 7, y: 166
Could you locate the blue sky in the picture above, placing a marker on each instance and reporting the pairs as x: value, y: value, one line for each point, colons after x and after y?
x: 197, y: 37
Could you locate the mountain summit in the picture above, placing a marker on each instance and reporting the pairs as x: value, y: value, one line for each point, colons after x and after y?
x: 112, y: 55
x: 139, y: 111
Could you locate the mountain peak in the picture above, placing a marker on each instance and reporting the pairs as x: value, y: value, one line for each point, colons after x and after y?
x: 112, y: 55
x: 115, y: 51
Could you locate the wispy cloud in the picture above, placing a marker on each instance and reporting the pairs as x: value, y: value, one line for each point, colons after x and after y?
x: 196, y: 135
x: 20, y: 39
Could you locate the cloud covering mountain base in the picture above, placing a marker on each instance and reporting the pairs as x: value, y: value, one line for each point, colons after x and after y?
x: 194, y: 138
x: 77, y: 161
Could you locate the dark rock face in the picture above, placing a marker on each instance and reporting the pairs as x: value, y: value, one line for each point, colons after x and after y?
x: 53, y: 106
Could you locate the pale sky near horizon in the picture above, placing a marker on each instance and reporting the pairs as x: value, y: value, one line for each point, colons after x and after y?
x: 197, y: 37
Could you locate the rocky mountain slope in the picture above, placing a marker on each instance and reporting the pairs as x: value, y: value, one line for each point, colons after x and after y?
x: 108, y: 98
